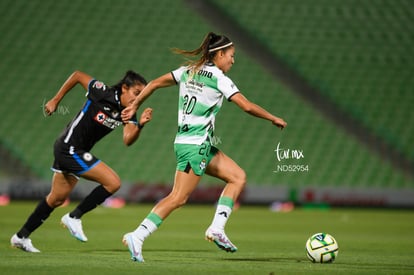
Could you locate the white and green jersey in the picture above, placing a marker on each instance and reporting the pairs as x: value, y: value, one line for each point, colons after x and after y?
x: 201, y: 97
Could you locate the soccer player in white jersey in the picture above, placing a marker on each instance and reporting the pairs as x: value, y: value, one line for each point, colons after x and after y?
x: 202, y: 87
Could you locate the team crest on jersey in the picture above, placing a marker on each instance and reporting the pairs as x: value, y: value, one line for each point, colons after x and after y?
x: 100, y: 117
x: 107, y: 121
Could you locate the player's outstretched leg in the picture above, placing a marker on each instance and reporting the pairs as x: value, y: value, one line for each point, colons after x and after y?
x: 215, y: 233
x: 134, y: 245
x: 220, y: 239
x: 24, y: 244
x: 74, y: 226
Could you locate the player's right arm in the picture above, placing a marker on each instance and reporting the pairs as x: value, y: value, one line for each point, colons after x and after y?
x: 163, y: 81
x: 75, y: 78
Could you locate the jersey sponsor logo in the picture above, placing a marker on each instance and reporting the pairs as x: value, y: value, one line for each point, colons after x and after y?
x: 107, y: 121
x: 99, y: 85
x: 205, y: 73
x: 194, y: 85
x: 115, y: 113
x: 183, y: 128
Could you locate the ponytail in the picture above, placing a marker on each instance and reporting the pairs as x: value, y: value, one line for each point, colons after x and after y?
x: 208, y: 49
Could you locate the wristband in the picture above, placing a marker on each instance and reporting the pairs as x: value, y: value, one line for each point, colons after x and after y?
x: 139, y: 125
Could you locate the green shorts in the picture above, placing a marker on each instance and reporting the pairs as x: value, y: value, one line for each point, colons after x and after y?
x: 193, y: 156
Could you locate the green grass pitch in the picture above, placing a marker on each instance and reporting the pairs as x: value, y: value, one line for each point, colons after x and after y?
x: 371, y: 241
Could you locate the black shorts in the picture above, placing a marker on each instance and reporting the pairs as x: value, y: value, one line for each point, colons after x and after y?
x: 71, y: 160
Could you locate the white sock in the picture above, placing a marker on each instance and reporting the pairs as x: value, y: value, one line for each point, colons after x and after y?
x: 221, y: 216
x: 146, y: 228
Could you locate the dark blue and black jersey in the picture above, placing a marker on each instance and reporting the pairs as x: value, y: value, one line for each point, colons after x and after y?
x: 98, y: 117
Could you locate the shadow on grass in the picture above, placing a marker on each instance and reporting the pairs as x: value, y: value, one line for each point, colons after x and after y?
x: 266, y: 259
x: 104, y: 250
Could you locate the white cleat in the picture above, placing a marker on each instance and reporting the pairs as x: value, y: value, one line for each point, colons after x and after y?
x: 134, y: 246
x: 74, y: 226
x: 220, y: 239
x: 24, y: 244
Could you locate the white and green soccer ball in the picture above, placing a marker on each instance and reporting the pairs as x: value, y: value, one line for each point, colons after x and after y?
x: 322, y: 248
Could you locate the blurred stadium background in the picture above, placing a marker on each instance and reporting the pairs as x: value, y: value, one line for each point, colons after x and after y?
x: 339, y: 72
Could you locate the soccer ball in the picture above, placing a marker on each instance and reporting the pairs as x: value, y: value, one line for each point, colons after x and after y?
x: 322, y: 248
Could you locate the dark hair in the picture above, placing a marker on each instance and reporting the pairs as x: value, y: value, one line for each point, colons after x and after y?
x: 211, y: 44
x: 130, y: 79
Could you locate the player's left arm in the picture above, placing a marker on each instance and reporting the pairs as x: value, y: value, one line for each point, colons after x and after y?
x: 255, y: 110
x: 132, y: 130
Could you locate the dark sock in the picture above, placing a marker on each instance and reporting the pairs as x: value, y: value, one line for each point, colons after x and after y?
x: 39, y: 215
x: 95, y: 198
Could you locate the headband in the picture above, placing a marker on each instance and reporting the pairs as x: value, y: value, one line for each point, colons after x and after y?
x: 220, y: 47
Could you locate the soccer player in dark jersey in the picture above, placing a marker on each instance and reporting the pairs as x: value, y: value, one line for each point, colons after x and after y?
x: 99, y: 116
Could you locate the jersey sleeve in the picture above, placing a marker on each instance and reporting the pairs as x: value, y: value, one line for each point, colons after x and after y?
x: 178, y: 73
x: 227, y: 87
x: 96, y: 90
